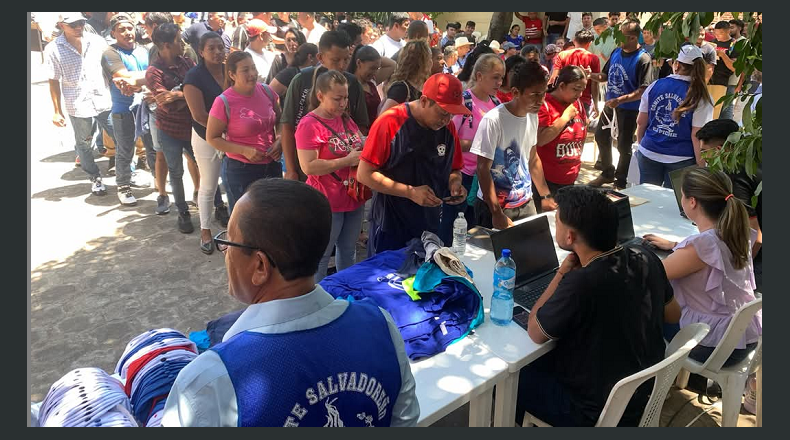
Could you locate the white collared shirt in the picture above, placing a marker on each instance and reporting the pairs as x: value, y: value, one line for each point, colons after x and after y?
x: 313, y: 36
x: 203, y: 394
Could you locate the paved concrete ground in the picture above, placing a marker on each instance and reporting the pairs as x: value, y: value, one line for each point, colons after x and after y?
x: 102, y: 274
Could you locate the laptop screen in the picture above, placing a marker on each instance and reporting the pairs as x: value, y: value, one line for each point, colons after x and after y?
x: 676, y: 178
x: 625, y: 223
x: 531, y: 246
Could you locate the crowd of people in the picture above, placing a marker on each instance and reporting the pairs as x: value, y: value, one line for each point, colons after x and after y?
x: 418, y: 127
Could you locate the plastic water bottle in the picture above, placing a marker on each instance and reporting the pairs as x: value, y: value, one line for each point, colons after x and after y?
x: 504, y: 282
x: 459, y: 235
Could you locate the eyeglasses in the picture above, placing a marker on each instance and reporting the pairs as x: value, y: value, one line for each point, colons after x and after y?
x: 222, y: 244
x: 76, y: 24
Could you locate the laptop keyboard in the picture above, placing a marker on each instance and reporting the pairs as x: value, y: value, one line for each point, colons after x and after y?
x: 528, y: 295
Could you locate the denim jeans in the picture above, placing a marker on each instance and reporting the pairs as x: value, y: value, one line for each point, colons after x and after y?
x: 657, y: 173
x: 626, y: 127
x: 150, y: 153
x: 83, y: 138
x: 450, y: 213
x: 344, y: 235
x: 238, y: 175
x: 123, y: 127
x: 727, y: 112
x: 173, y: 149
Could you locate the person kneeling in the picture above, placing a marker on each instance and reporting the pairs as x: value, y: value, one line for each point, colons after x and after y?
x: 295, y: 356
x: 605, y: 308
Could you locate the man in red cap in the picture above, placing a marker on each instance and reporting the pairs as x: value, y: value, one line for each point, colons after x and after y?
x: 412, y: 159
x: 259, y: 35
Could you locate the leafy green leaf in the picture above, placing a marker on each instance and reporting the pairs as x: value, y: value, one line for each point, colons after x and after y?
x: 687, y: 23
x: 669, y: 40
x: 759, y: 112
x: 706, y: 18
x: 734, y: 137
x: 750, y: 168
x: 747, y: 118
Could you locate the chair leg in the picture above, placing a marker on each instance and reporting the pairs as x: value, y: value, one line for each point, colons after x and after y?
x: 682, y: 380
x: 732, y: 392
x: 760, y: 397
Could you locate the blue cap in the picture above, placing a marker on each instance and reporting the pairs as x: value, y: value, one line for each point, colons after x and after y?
x: 505, y: 253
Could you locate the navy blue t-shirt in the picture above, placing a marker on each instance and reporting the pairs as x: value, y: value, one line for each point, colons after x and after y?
x: 200, y: 77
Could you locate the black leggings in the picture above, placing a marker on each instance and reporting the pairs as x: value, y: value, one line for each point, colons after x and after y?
x: 626, y: 128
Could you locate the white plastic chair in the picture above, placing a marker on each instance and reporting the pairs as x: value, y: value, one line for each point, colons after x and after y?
x: 664, y: 373
x: 733, y: 378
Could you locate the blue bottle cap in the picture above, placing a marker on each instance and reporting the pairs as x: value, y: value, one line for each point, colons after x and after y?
x: 505, y: 253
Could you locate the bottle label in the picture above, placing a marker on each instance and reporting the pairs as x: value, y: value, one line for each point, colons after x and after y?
x: 509, y: 283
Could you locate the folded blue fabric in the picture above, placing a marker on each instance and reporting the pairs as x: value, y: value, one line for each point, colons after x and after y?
x: 200, y: 339
x: 446, y: 313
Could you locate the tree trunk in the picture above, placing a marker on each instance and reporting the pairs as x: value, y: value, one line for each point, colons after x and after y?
x: 500, y: 25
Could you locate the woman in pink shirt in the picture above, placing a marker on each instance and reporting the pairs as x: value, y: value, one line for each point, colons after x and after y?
x: 711, y: 272
x: 329, y: 143
x: 242, y: 124
x: 488, y: 74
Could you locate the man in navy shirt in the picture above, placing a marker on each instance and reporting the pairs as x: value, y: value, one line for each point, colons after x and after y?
x: 412, y: 159
x: 215, y: 23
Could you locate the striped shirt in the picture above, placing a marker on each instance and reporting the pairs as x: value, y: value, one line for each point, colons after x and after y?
x: 84, y: 88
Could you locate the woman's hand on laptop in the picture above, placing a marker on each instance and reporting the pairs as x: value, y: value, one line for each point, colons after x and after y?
x: 661, y: 243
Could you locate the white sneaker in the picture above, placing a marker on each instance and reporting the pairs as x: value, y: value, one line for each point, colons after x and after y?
x: 97, y: 187
x: 140, y: 180
x: 125, y: 196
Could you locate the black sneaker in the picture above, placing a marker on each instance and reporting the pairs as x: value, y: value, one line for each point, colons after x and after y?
x: 185, y: 223
x: 111, y: 165
x: 162, y: 205
x: 221, y: 214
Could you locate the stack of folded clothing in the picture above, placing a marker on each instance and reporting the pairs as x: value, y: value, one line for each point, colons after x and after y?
x: 149, y: 366
x: 86, y: 397
x: 428, y: 291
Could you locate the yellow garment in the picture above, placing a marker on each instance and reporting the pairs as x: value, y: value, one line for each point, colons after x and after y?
x: 408, y: 286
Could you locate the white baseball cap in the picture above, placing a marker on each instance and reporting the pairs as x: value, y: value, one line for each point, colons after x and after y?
x: 494, y: 45
x: 689, y: 53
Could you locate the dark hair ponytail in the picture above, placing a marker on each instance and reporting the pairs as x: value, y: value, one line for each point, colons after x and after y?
x: 713, y: 191
x: 698, y: 90
x: 303, y: 53
x: 364, y: 54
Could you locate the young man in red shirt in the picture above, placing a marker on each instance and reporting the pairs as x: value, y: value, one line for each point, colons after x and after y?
x: 582, y: 57
x: 412, y: 160
x: 533, y: 29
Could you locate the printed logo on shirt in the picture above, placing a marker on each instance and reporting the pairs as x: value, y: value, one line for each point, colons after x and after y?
x: 569, y: 150
x: 245, y: 113
x: 506, y: 172
x: 441, y: 149
x: 339, y: 384
x: 340, y: 147
x: 662, y: 108
x: 617, y: 79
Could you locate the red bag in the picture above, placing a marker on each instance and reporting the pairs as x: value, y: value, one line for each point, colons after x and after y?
x: 356, y: 190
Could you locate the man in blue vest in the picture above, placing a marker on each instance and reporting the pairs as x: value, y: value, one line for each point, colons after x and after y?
x: 296, y: 356
x: 627, y: 73
x: 124, y: 64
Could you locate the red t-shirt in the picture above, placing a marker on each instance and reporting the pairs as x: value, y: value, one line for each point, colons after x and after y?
x: 504, y: 97
x: 582, y: 58
x: 537, y: 23
x: 562, y: 156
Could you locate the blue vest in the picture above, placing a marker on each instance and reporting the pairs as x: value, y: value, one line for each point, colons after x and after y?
x: 664, y: 135
x: 135, y: 60
x: 622, y: 77
x: 345, y: 373
x: 418, y: 156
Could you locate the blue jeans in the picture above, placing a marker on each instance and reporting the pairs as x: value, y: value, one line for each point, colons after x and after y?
x: 450, y: 213
x: 123, y: 127
x: 345, y: 232
x: 173, y: 149
x: 238, y: 175
x: 657, y: 173
x: 83, y: 138
x: 727, y: 112
x: 150, y: 153
x: 551, y: 38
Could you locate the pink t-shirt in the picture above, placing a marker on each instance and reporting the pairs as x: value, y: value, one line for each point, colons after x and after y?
x: 465, y: 132
x: 252, y: 120
x: 313, y: 135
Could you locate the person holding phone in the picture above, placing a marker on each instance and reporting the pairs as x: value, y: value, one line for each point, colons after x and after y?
x: 329, y: 144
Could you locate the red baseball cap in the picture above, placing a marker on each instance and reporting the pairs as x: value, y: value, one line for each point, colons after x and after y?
x: 257, y: 26
x: 446, y: 90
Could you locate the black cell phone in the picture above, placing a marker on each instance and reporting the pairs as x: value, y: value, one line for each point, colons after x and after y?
x: 453, y: 199
x: 521, y: 316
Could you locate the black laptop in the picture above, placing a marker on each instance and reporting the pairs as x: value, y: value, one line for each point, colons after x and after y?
x: 532, y: 249
x: 625, y: 224
x: 676, y: 178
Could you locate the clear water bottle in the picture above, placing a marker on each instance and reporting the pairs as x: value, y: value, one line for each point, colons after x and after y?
x: 504, y: 282
x: 459, y: 235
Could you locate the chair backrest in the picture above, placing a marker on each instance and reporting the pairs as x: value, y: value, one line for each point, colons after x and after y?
x: 733, y: 335
x: 664, y: 373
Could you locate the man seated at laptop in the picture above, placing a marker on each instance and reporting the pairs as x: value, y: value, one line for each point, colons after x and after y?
x: 606, y: 307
